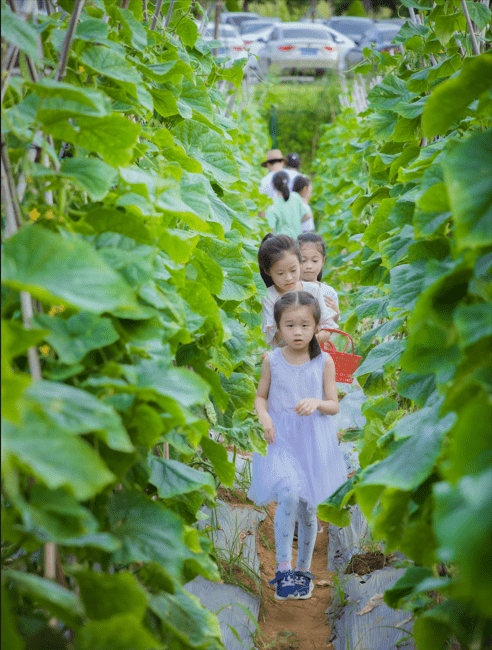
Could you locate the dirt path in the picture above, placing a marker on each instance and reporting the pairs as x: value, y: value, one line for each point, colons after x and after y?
x: 305, y: 620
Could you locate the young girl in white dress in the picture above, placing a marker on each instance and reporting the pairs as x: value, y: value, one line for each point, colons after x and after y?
x: 279, y: 259
x: 295, y: 400
x: 313, y: 258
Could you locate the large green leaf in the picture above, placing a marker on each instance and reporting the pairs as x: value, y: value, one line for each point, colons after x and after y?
x: 106, y: 595
x: 467, y: 176
x: 448, y: 102
x: 61, y: 602
x: 172, y: 478
x: 385, y: 355
x: 183, y: 614
x: 19, y: 33
x: 10, y: 635
x: 76, y: 99
x: 75, y: 411
x: 381, y: 331
x: 238, y: 278
x: 217, y: 454
x: 74, y: 337
x: 412, y: 461
x: 209, y: 149
x: 57, y: 269
x: 54, y: 457
x: 148, y: 531
x: 463, y: 530
x: 120, y: 632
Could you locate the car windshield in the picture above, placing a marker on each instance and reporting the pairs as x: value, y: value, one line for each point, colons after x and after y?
x: 302, y: 32
x: 350, y: 26
x: 255, y: 26
x: 224, y: 32
x: 387, y: 35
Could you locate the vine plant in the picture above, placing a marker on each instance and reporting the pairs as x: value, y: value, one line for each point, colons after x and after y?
x: 407, y: 194
x: 130, y: 311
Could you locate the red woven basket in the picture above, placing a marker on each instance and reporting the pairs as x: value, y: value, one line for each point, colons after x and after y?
x: 345, y: 363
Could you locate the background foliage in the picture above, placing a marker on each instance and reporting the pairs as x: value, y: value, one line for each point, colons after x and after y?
x: 136, y: 239
x: 406, y: 190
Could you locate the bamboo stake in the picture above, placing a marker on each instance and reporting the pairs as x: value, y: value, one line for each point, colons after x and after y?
x: 158, y: 7
x: 476, y: 49
x: 145, y: 17
x: 67, y: 41
x: 169, y: 12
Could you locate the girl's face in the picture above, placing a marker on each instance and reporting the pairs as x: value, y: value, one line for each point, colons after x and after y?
x: 312, y: 262
x: 297, y: 327
x: 286, y: 272
x: 306, y: 192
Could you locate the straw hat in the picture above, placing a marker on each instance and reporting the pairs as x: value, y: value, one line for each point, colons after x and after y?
x: 274, y: 155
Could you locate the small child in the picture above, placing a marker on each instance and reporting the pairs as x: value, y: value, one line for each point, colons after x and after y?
x: 302, y: 185
x: 313, y: 258
x: 288, y: 211
x: 279, y: 259
x: 296, y: 396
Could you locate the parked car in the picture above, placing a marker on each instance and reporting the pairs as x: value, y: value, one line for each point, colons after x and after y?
x: 298, y: 47
x: 253, y: 42
x: 252, y: 26
x: 236, y: 18
x: 232, y: 45
x: 352, y: 26
x: 379, y: 38
x: 344, y: 45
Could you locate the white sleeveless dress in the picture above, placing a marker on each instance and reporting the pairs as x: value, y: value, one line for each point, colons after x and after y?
x: 305, y: 453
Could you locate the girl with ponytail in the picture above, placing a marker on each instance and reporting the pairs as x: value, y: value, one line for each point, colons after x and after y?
x: 288, y: 210
x: 295, y: 402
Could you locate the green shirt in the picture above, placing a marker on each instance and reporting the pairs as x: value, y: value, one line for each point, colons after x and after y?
x: 284, y: 217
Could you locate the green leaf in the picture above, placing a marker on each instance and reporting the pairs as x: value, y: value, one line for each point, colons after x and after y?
x: 55, y: 269
x: 412, y: 461
x: 62, y: 603
x: 445, y: 25
x: 473, y: 322
x: 381, y: 331
x: 183, y: 615
x: 208, y: 271
x: 172, y: 478
x: 388, y: 93
x: 479, y: 13
x: 333, y: 510
x: 416, y: 387
x: 9, y: 632
x: 54, y: 457
x: 120, y: 632
x: 16, y: 340
x: 463, y: 529
x: 76, y: 411
x: 209, y: 149
x: 119, y: 593
x: 90, y: 174
x: 74, y: 337
x: 407, y: 585
x: 19, y: 33
x: 71, y: 99
x: 217, y: 454
x: 467, y: 176
x: 238, y: 282
x: 448, y: 102
x: 187, y: 31
x: 395, y: 248
x: 385, y: 355
x: 379, y: 224
x: 91, y: 29
x: 148, y: 531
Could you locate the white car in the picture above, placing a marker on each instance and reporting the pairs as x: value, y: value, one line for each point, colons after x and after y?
x: 298, y: 47
x: 232, y: 45
x: 344, y: 45
x: 253, y: 42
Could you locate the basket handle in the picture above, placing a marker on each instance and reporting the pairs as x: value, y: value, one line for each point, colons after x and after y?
x: 349, y: 338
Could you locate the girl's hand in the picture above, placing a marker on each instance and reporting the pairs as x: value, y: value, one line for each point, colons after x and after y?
x: 268, y: 426
x: 332, y: 304
x: 307, y: 406
x: 265, y: 354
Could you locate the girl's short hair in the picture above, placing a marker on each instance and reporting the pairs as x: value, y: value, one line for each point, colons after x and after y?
x: 272, y: 249
x: 280, y: 182
x: 313, y: 238
x: 300, y: 182
x: 300, y: 299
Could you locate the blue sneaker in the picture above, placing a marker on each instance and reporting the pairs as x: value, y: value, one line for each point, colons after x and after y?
x: 286, y: 586
x: 304, y: 584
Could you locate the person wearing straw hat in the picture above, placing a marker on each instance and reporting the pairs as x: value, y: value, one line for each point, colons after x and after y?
x: 275, y: 162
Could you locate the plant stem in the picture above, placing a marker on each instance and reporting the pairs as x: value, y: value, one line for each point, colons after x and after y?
x: 156, y: 14
x: 67, y: 42
x: 476, y: 49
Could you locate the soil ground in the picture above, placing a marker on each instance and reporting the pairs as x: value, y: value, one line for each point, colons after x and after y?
x: 302, y: 625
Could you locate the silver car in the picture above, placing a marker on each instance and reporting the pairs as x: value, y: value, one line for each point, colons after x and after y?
x: 232, y: 45
x: 298, y: 47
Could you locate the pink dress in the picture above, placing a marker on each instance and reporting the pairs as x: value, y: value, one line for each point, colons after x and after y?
x: 305, y: 452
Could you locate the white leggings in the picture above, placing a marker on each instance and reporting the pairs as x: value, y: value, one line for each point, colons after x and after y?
x: 289, y: 505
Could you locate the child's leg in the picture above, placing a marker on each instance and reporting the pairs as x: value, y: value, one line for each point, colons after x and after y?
x: 308, y: 527
x: 285, y: 516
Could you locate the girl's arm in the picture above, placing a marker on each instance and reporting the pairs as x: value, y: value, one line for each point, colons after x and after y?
x: 261, y: 404
x: 329, y: 405
x: 305, y: 217
x: 323, y: 336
